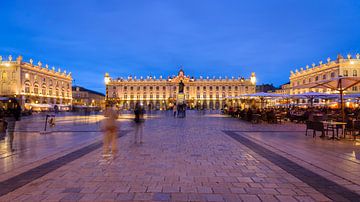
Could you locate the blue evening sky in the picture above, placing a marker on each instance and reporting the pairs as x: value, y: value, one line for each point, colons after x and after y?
x: 151, y: 37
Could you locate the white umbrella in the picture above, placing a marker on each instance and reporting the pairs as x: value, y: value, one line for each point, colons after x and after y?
x: 312, y: 95
x: 263, y: 95
x: 352, y: 96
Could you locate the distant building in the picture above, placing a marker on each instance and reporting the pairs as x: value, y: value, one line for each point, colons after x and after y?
x: 86, y: 97
x: 162, y: 93
x: 284, y: 89
x: 265, y: 88
x: 33, y: 85
x: 300, y: 80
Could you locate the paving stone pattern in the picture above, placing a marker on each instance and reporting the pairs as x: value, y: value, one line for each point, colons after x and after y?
x: 187, y: 159
x: 18, y: 181
x: 330, y: 189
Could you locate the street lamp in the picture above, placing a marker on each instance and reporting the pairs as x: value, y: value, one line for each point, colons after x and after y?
x: 253, y: 78
x: 107, y: 78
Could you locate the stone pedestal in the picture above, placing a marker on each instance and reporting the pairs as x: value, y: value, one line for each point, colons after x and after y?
x: 180, y: 99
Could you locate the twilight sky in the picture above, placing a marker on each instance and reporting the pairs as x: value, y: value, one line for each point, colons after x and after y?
x: 153, y: 37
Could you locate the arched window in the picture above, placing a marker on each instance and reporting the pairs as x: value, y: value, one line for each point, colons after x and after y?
x: 36, y: 88
x: 346, y: 73
x: 354, y: 73
x: 27, y: 87
x: 50, y: 91
x: 43, y: 89
x: 57, y: 91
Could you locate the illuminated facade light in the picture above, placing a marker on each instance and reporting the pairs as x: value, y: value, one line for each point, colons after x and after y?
x: 160, y: 94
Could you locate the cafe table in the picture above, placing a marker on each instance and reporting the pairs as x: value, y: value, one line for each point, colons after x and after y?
x: 334, y: 124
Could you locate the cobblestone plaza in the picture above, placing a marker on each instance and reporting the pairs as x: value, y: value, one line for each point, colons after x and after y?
x: 203, y: 157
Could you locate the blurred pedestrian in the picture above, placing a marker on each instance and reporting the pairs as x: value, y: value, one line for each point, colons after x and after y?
x: 139, y: 120
x: 110, y: 131
x: 174, y: 110
x: 3, y: 125
x: 14, y: 115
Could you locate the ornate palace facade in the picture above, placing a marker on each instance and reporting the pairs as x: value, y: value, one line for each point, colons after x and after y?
x: 301, y: 80
x: 34, y: 85
x: 160, y: 93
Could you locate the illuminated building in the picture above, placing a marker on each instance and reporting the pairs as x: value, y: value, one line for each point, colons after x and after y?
x: 300, y: 80
x: 34, y: 85
x: 161, y: 93
x: 86, y: 97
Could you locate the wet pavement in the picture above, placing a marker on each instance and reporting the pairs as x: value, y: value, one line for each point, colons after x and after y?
x: 191, y: 159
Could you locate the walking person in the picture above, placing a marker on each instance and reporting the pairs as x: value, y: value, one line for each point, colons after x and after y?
x: 3, y: 124
x: 110, y: 130
x: 139, y: 120
x: 174, y: 110
x: 14, y: 115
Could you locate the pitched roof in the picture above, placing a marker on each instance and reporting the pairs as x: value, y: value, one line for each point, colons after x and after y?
x: 85, y: 89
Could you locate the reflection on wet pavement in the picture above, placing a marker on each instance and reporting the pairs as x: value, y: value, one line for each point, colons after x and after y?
x: 181, y: 159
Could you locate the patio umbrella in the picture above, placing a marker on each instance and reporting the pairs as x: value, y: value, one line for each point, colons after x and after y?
x: 312, y: 95
x: 262, y: 96
x: 341, y: 84
x: 352, y: 96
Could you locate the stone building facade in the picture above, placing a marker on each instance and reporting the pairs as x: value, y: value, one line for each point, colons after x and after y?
x: 300, y: 80
x: 34, y: 84
x: 86, y: 97
x: 284, y: 89
x: 161, y: 93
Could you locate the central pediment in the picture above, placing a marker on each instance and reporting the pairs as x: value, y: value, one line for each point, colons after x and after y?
x: 180, y: 77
